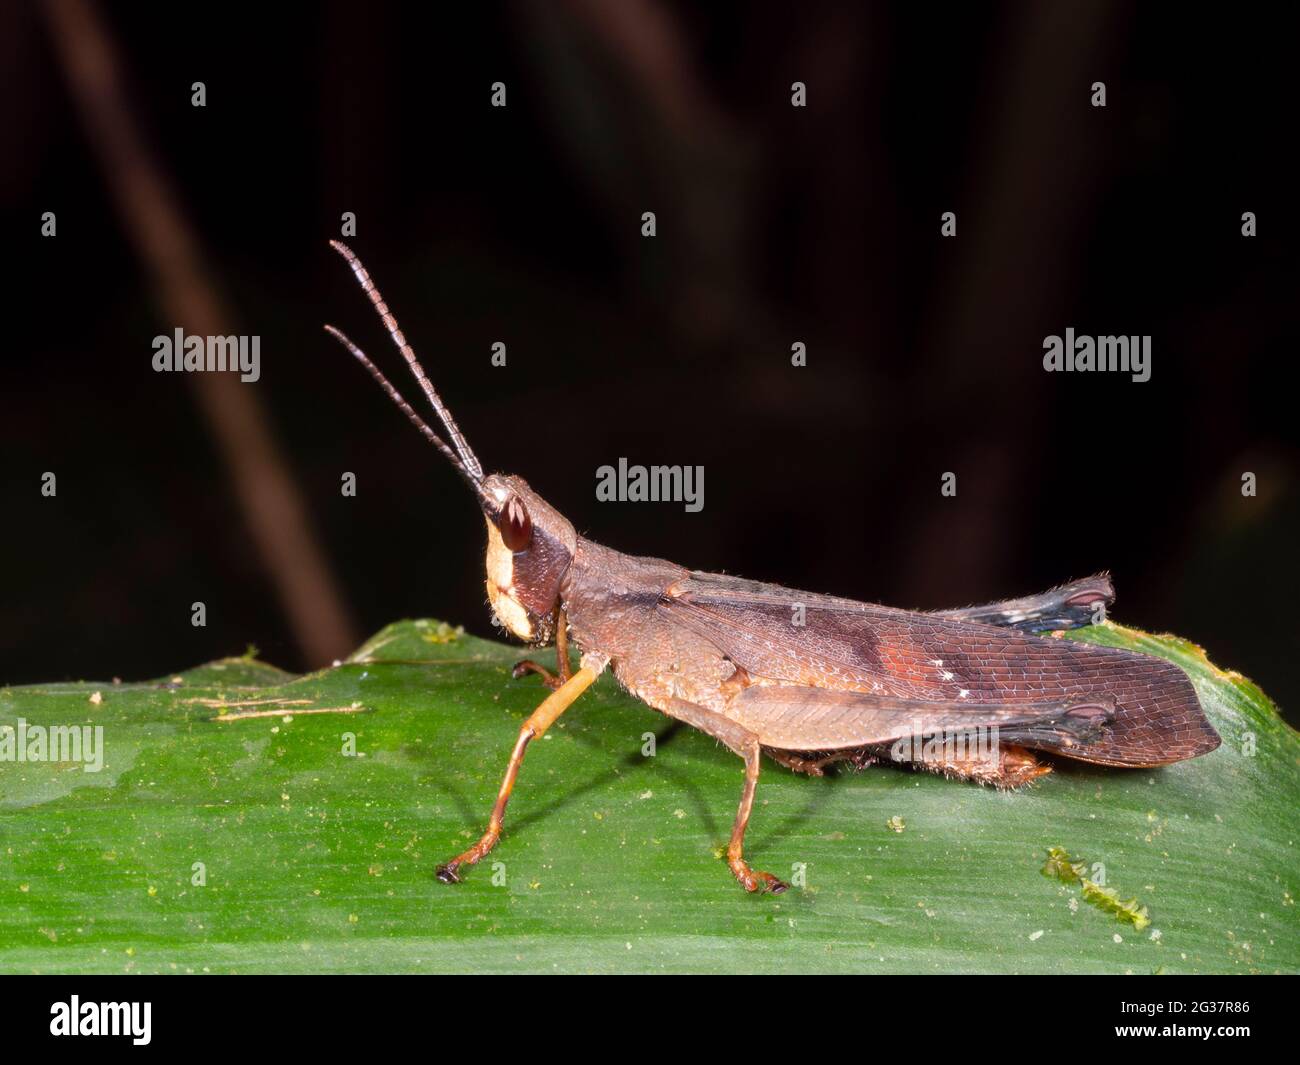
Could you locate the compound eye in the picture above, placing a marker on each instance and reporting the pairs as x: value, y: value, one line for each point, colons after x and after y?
x: 515, y: 525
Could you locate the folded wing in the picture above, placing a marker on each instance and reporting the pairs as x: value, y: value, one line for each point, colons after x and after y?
x: 810, y: 641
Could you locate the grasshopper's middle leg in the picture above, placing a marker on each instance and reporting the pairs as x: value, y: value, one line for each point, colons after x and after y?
x: 538, y: 722
x: 745, y: 744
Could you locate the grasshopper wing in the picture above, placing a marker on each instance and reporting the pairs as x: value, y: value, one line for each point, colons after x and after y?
x: 795, y: 718
x: 1068, y: 607
x: 815, y: 641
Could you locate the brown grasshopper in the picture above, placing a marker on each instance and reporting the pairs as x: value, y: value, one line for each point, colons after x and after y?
x: 807, y: 679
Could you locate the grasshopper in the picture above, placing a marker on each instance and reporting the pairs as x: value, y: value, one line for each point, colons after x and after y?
x: 807, y: 679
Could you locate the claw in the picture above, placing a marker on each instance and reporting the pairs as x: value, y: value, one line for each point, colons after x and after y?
x: 757, y: 881
x: 447, y: 873
x: 523, y: 668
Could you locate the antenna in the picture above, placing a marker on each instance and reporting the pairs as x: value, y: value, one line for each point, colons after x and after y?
x: 469, y: 461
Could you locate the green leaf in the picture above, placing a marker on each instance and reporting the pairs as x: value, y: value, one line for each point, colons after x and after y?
x: 315, y: 860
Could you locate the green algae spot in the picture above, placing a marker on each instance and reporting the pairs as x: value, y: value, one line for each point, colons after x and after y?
x: 1059, y: 867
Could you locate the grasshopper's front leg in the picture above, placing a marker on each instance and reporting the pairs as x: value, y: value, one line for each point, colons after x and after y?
x: 745, y: 744
x: 554, y: 681
x: 538, y: 722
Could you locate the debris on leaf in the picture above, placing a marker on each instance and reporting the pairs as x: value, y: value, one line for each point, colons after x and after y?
x: 1059, y: 867
x: 441, y: 633
x: 1107, y: 898
x: 896, y: 824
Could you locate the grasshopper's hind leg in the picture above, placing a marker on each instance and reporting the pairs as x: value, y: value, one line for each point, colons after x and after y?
x: 745, y: 744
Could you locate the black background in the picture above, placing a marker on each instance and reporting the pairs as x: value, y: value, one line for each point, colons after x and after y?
x: 365, y: 1008
x: 775, y: 225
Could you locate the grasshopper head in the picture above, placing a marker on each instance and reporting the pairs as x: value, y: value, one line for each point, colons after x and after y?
x: 530, y: 546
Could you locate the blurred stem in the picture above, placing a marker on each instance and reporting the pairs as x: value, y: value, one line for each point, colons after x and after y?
x: 262, y: 483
